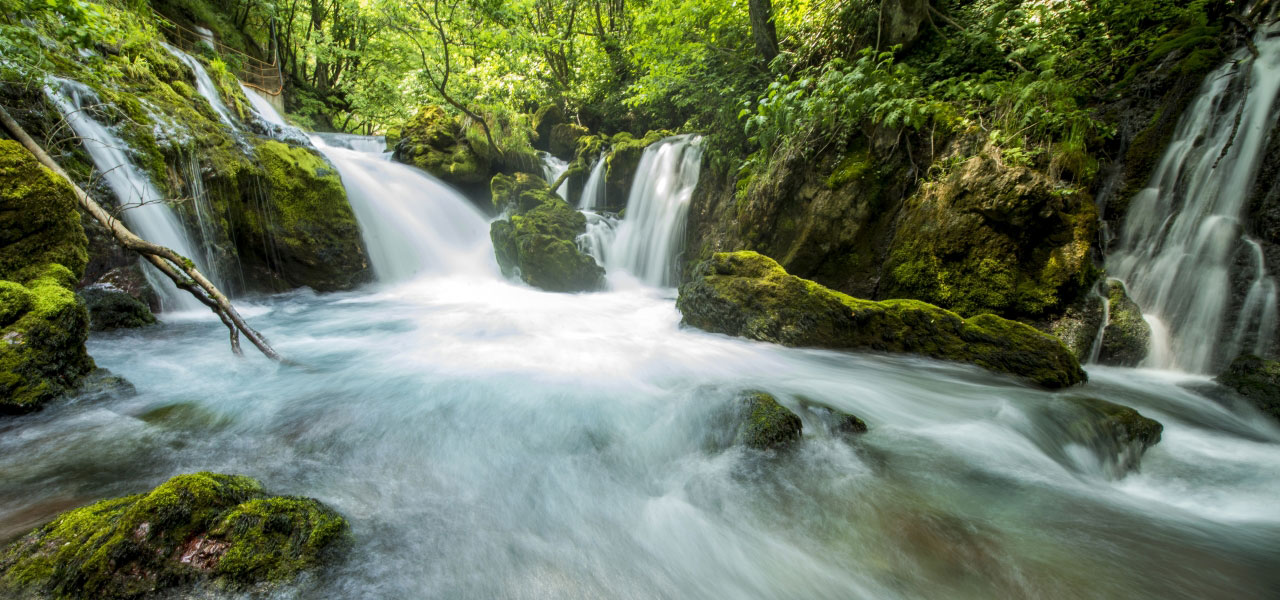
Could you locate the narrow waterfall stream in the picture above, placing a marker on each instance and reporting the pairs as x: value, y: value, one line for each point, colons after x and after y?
x: 489, y: 440
x: 204, y: 85
x: 143, y: 206
x: 1183, y: 233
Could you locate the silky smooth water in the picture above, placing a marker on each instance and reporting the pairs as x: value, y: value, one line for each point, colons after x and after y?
x: 204, y: 85
x: 488, y: 440
x: 649, y: 239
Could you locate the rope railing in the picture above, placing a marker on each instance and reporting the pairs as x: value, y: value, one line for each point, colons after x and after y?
x: 253, y: 72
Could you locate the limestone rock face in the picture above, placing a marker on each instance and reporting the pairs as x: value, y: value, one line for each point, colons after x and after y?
x: 199, y: 529
x: 43, y: 326
x: 749, y: 295
x: 539, y: 241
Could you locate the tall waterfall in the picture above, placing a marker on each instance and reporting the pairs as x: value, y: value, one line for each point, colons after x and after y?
x: 204, y: 85
x: 1183, y: 232
x: 650, y: 237
x: 412, y: 223
x: 143, y: 206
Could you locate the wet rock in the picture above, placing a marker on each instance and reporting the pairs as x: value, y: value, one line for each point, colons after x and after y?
x: 546, y: 119
x: 434, y: 142
x: 202, y: 529
x: 1116, y: 435
x: 1127, y: 337
x: 767, y: 424
x: 131, y: 280
x: 749, y: 295
x: 112, y: 308
x: 1078, y: 326
x: 102, y: 384
x: 838, y: 422
x: 539, y: 241
x: 1258, y: 380
x: 311, y: 237
x: 564, y: 139
x: 43, y: 326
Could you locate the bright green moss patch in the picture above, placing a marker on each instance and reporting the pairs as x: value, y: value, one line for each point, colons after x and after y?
x: 203, y: 527
x: 768, y: 424
x: 434, y: 142
x: 539, y: 241
x: 749, y: 295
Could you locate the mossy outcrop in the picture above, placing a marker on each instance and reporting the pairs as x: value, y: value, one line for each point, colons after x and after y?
x: 747, y: 294
x: 766, y: 424
x: 993, y: 238
x: 1117, y: 436
x: 432, y: 141
x: 111, y: 308
x: 564, y: 139
x: 43, y: 326
x: 310, y: 228
x: 539, y: 241
x: 544, y: 121
x: 1078, y: 326
x: 204, y: 528
x: 1258, y: 380
x: 1126, y: 339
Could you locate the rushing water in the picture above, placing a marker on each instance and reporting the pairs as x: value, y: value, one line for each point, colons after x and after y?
x: 593, y: 193
x: 649, y: 238
x: 204, y: 85
x: 1182, y: 234
x: 142, y: 205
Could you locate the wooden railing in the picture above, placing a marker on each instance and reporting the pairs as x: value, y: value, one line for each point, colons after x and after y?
x: 252, y: 72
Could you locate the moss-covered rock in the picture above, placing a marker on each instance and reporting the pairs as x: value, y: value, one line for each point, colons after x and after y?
x: 43, y: 326
x: 766, y: 424
x: 994, y: 238
x: 547, y: 117
x: 111, y: 308
x: 621, y: 162
x: 310, y: 233
x: 1078, y: 326
x: 203, y: 528
x: 1127, y: 337
x: 1115, y: 436
x: 433, y: 141
x: 564, y: 139
x: 1258, y: 380
x: 749, y: 295
x: 539, y: 242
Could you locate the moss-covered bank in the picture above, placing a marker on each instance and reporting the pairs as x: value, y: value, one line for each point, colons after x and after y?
x: 43, y: 326
x: 201, y: 528
x: 749, y: 295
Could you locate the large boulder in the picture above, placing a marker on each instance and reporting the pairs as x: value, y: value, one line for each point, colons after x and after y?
x: 544, y: 121
x: 539, y: 241
x: 434, y: 142
x: 308, y: 236
x: 43, y: 326
x: 1258, y: 380
x: 1127, y: 337
x: 113, y: 308
x: 218, y: 530
x: 747, y: 294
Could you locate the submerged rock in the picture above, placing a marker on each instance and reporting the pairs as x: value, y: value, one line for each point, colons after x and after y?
x: 1127, y: 337
x: 539, y: 242
x: 767, y: 424
x: 131, y: 280
x: 1258, y: 380
x: 309, y: 232
x: 112, y: 308
x: 747, y: 294
x: 1116, y: 436
x: 203, y: 528
x: 43, y: 325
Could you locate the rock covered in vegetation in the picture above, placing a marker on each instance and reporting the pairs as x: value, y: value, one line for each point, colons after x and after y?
x: 112, y: 308
x: 131, y: 280
x: 1117, y: 435
x: 749, y: 295
x: 433, y: 141
x: 309, y: 231
x: 43, y: 326
x: 544, y: 121
x: 767, y: 424
x: 1258, y: 380
x: 564, y: 139
x: 1127, y: 337
x: 993, y: 238
x: 539, y: 241
x: 203, y: 528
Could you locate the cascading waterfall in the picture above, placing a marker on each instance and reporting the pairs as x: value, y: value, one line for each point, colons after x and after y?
x: 552, y: 169
x: 1183, y: 232
x: 263, y: 107
x: 593, y: 193
x: 650, y: 237
x: 204, y: 85
x: 141, y: 204
x: 412, y: 223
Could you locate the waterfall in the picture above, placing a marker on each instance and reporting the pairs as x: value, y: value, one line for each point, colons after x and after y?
x: 593, y: 193
x: 1183, y: 232
x: 142, y: 205
x: 1101, y: 292
x: 412, y: 223
x: 204, y: 85
x: 206, y: 220
x: 263, y: 107
x: 652, y: 234
x: 552, y: 169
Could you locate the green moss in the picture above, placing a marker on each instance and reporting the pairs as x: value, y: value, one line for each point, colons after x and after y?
x: 43, y: 327
x: 768, y: 424
x: 309, y: 221
x: 851, y: 168
x: 434, y: 142
x: 1127, y: 335
x: 110, y: 308
x: 1123, y: 424
x: 750, y: 295
x: 199, y: 527
x: 539, y: 241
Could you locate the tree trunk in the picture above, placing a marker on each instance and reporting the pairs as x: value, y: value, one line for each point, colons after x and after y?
x: 762, y: 28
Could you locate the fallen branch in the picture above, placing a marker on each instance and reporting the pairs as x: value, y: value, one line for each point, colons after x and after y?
x: 176, y: 267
